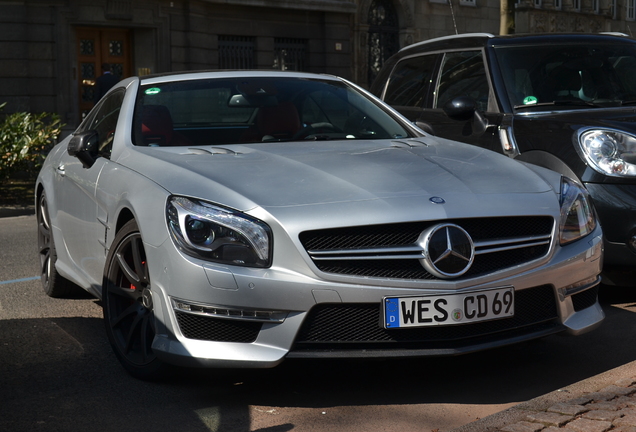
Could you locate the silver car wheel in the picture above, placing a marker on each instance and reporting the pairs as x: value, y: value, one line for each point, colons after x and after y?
x: 53, y: 284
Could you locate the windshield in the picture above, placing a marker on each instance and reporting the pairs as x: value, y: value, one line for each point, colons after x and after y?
x: 257, y: 109
x: 567, y: 76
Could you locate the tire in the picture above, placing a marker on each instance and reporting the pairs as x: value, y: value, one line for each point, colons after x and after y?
x: 127, y: 302
x: 53, y: 283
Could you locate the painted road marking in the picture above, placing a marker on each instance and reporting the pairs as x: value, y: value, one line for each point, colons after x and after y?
x: 20, y: 280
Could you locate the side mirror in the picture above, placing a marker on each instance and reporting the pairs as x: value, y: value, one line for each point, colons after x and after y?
x: 461, y: 108
x: 464, y: 108
x: 84, y: 146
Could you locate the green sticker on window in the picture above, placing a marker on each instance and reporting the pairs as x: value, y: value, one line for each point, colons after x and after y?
x: 153, y: 91
x: 530, y: 100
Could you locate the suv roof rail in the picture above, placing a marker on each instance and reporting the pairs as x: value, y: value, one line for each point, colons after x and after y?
x: 455, y: 36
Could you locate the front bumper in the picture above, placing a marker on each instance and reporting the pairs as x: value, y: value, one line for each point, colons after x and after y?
x: 616, y: 208
x: 337, y: 319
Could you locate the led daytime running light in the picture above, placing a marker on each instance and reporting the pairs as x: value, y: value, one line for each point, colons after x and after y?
x: 227, y: 312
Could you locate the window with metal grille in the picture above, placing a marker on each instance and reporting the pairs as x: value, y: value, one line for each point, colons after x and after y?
x: 236, y: 52
x: 290, y: 54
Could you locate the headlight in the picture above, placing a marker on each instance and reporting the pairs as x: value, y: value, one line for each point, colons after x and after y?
x: 610, y: 152
x: 577, y: 213
x: 213, y: 233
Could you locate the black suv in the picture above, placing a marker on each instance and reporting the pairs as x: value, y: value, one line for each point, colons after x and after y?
x: 562, y: 101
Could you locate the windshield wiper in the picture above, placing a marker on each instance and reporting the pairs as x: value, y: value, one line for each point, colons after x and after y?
x: 319, y: 138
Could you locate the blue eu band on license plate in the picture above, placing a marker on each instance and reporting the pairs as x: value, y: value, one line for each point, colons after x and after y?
x: 442, y: 310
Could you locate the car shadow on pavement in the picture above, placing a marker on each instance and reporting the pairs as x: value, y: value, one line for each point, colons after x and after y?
x: 60, y: 374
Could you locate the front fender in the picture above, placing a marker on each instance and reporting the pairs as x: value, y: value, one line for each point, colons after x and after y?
x: 140, y: 196
x: 549, y: 161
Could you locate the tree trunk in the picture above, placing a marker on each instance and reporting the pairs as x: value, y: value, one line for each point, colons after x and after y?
x: 506, y: 19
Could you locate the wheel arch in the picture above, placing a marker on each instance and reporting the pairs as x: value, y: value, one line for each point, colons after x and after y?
x: 549, y: 161
x: 39, y: 188
x: 125, y: 215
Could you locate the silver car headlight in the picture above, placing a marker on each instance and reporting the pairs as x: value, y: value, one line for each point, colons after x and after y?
x: 610, y: 152
x: 218, y: 234
x: 577, y: 214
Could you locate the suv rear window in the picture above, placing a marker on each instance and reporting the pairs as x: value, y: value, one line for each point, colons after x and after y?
x: 409, y: 81
x: 463, y: 74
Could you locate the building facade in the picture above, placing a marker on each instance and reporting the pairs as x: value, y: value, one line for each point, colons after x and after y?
x: 51, y: 50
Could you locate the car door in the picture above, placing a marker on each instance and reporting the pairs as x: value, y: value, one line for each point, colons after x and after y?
x: 464, y: 73
x: 78, y: 211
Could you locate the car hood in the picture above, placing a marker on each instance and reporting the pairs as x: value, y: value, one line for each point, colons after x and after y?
x: 623, y: 118
x: 287, y: 174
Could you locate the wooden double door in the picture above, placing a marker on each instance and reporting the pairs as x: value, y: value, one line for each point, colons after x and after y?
x: 96, y: 46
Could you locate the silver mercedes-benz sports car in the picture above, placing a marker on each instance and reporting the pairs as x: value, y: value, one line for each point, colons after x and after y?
x: 235, y: 219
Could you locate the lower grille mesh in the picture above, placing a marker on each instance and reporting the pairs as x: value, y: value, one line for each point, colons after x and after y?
x: 341, y: 324
x: 217, y: 329
x: 585, y: 299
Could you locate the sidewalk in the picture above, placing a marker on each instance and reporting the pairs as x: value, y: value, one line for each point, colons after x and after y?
x: 605, y: 402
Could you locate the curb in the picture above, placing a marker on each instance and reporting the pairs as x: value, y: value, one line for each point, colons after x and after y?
x: 11, y: 211
x: 600, y: 403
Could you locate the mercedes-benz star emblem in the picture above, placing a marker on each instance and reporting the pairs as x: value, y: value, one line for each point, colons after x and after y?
x: 448, y: 250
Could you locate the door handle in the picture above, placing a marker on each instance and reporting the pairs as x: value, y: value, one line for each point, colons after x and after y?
x: 61, y: 170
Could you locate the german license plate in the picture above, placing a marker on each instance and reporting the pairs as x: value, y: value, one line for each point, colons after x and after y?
x: 450, y: 309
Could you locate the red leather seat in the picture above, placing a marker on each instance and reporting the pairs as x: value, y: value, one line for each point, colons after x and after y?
x: 280, y: 121
x: 157, y: 127
x: 277, y: 122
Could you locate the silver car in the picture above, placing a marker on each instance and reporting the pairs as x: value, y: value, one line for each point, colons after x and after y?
x: 235, y: 219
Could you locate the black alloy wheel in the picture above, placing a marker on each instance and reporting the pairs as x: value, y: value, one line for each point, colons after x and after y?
x: 128, y: 309
x: 53, y: 283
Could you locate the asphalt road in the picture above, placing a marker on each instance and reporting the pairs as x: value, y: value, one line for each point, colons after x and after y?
x: 57, y: 373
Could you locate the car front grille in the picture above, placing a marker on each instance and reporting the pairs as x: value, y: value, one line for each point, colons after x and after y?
x: 391, y: 251
x: 217, y: 329
x: 359, y: 326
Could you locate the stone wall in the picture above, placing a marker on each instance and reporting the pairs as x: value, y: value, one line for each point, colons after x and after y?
x: 38, y: 46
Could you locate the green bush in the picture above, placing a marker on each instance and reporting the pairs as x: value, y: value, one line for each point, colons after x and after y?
x: 25, y: 140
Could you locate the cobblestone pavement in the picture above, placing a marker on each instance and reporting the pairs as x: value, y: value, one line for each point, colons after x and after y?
x: 611, y: 409
x: 604, y: 403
